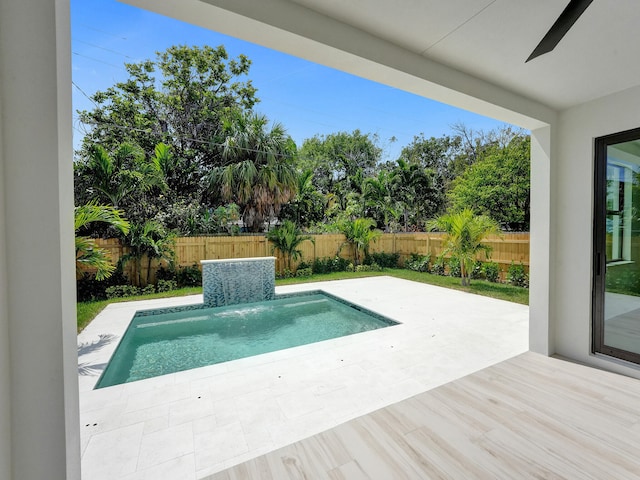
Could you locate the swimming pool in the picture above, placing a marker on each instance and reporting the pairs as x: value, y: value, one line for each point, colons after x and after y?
x: 162, y: 341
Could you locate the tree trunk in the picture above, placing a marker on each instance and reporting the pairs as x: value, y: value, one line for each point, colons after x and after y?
x: 148, y: 269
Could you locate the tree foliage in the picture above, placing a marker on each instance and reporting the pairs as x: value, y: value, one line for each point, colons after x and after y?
x: 340, y: 161
x: 498, y: 184
x: 464, y: 234
x: 177, y: 99
x: 258, y: 174
x: 359, y: 233
x: 414, y: 188
x: 178, y: 144
x: 148, y: 240
x: 89, y: 256
x: 286, y: 238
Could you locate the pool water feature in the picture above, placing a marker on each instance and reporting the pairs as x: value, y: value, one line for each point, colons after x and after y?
x: 164, y: 341
x: 238, y: 280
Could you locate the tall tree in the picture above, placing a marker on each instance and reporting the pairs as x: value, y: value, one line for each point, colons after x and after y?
x: 473, y: 144
x: 178, y: 99
x: 115, y: 177
x: 258, y: 175
x: 498, y: 184
x: 308, y: 205
x: 123, y: 178
x: 413, y: 188
x: 379, y: 200
x: 436, y: 154
x: 340, y: 161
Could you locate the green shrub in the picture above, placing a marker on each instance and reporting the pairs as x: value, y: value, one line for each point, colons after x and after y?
x: 384, y: 260
x: 319, y: 266
x: 454, y: 268
x: 374, y: 267
x: 118, y: 291
x: 491, y: 271
x: 328, y: 265
x: 304, y: 272
x: 339, y: 264
x: 477, y: 271
x: 165, y: 273
x: 350, y: 268
x: 166, y: 285
x: 417, y: 262
x: 148, y: 290
x: 438, y: 267
x: 188, y: 276
x: 88, y: 288
x: 303, y: 265
x: 517, y: 276
x: 286, y: 273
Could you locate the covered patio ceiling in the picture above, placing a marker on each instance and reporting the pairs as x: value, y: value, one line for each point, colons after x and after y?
x: 470, y: 46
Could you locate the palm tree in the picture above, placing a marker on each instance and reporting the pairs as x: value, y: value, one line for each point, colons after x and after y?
x: 378, y: 197
x: 89, y: 257
x: 118, y: 175
x: 259, y: 175
x: 411, y: 187
x: 308, y: 204
x: 360, y: 233
x: 287, y: 238
x: 464, y: 234
x: 150, y: 240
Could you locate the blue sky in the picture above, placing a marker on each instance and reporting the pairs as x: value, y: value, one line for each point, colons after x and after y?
x: 307, y: 98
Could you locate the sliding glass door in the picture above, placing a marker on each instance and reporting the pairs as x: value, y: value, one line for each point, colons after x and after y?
x: 616, y: 294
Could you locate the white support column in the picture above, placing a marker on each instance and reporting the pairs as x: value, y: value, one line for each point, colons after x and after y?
x: 38, y: 353
x: 541, y: 244
x: 5, y: 372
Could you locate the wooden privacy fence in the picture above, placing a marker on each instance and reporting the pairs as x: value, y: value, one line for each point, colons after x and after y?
x: 510, y: 247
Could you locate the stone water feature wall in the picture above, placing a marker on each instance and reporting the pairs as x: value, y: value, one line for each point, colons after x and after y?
x: 238, y: 280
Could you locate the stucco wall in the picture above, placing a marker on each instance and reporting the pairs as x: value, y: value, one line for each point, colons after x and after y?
x: 37, y: 309
x: 572, y: 221
x: 5, y: 378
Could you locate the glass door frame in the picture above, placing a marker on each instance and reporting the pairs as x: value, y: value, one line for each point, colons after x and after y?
x: 599, y: 265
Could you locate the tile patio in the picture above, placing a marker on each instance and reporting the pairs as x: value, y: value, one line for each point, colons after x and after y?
x: 191, y: 424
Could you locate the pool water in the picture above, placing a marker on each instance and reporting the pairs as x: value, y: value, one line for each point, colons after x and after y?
x: 171, y: 340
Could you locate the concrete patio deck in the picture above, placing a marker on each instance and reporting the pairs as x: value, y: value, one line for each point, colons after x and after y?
x: 192, y: 424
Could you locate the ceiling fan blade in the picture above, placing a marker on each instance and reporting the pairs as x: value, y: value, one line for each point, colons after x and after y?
x: 559, y: 29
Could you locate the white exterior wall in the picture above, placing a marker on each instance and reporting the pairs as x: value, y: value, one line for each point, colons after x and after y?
x: 5, y: 373
x: 541, y: 251
x: 572, y: 221
x: 39, y: 424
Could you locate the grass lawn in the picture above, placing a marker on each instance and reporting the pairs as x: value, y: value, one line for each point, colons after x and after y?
x: 88, y: 310
x: 480, y: 287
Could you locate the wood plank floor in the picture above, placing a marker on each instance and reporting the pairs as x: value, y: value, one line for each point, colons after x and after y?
x: 528, y: 417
